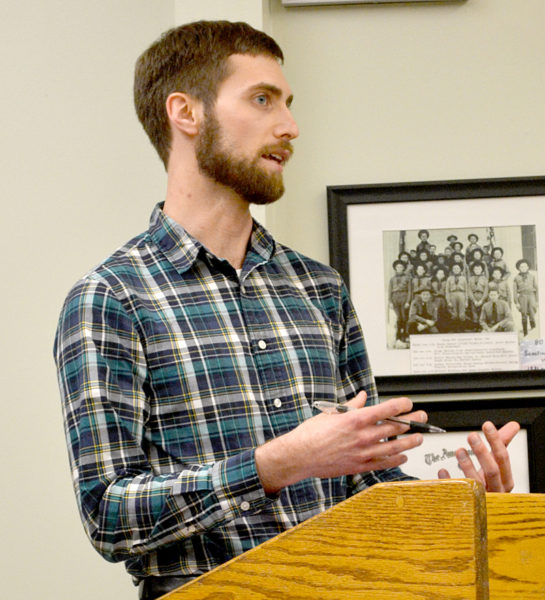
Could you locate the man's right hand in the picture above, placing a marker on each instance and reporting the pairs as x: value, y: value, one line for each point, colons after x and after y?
x: 332, y: 445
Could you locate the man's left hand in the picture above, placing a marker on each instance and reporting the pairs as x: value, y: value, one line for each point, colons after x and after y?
x: 495, y: 472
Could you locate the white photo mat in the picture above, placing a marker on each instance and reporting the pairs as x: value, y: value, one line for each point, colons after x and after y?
x: 438, y: 452
x: 461, y: 417
x: 366, y: 224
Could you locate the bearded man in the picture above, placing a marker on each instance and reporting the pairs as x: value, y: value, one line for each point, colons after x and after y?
x: 190, y: 359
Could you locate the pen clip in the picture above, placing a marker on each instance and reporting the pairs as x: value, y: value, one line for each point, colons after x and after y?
x: 328, y: 407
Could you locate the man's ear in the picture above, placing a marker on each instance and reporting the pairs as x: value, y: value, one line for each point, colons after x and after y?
x: 184, y: 112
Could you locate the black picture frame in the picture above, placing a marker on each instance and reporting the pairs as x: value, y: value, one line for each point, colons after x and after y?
x: 464, y: 415
x: 392, y: 196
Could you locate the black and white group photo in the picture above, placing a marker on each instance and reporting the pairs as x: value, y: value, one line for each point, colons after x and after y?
x: 460, y: 280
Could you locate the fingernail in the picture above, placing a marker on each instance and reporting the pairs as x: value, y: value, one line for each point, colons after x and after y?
x: 488, y: 428
x: 462, y: 457
x: 474, y: 439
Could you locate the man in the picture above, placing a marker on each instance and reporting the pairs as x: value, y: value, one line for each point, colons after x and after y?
x: 399, y: 296
x: 477, y: 255
x: 421, y: 279
x: 190, y: 359
x: 496, y: 314
x: 525, y: 294
x: 477, y: 287
x: 405, y: 258
x: 457, y: 258
x: 497, y: 261
x: 498, y: 282
x: 456, y: 295
x: 424, y: 243
x: 438, y: 290
x: 457, y: 246
x: 423, y: 314
x: 451, y: 239
x: 472, y: 245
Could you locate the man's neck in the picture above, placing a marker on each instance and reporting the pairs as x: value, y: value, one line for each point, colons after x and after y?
x: 212, y: 214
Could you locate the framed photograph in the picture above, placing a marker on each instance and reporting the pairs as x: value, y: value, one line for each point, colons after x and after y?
x: 445, y: 279
x: 527, y: 450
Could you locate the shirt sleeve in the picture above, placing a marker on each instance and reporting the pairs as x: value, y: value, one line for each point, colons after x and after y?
x: 126, y: 508
x: 356, y: 375
x: 354, y: 368
x: 362, y: 481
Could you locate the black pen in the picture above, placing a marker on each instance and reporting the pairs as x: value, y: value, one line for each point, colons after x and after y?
x: 331, y: 407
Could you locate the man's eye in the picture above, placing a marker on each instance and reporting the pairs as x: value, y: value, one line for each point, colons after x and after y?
x: 262, y: 99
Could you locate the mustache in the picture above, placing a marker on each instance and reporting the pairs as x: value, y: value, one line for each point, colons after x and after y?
x: 282, y: 146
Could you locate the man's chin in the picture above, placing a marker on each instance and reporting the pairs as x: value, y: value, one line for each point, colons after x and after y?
x: 263, y: 200
x: 269, y: 189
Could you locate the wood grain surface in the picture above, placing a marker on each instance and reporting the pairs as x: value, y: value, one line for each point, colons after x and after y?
x: 398, y: 541
x: 516, y: 546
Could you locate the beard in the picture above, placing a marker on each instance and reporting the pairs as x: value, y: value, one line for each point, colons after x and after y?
x: 242, y: 175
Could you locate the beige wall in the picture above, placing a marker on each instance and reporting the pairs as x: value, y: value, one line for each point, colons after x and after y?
x: 383, y: 93
x: 78, y: 179
x: 405, y: 92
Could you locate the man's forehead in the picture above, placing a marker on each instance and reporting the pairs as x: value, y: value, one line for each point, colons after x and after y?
x: 255, y: 72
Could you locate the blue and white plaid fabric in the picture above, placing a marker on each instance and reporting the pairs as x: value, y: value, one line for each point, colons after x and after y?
x: 172, y: 370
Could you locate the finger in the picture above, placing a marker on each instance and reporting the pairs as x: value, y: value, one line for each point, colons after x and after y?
x: 391, y: 448
x: 466, y: 465
x: 443, y: 474
x: 371, y: 420
x: 490, y: 473
x: 389, y: 408
x: 382, y: 455
x: 500, y: 456
x: 393, y: 428
x: 381, y: 464
x: 385, y: 430
x: 508, y: 432
x: 418, y: 415
x: 358, y: 401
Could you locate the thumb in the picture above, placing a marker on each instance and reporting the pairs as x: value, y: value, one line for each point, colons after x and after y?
x: 358, y: 401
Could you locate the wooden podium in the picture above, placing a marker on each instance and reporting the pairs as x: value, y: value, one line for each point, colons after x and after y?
x: 417, y: 540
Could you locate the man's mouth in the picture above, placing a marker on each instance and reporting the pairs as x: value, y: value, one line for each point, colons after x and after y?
x: 276, y: 157
x: 279, y: 155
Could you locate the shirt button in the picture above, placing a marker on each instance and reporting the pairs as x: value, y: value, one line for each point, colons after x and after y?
x: 262, y: 344
x: 244, y: 505
x: 189, y: 530
x: 277, y: 402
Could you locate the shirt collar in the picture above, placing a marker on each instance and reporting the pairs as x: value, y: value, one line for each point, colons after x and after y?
x: 182, y: 249
x: 172, y: 239
x: 261, y: 248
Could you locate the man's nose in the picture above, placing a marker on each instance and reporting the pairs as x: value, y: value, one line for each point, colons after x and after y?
x: 287, y: 126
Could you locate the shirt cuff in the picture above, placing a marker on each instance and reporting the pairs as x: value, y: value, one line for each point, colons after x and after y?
x: 237, y: 485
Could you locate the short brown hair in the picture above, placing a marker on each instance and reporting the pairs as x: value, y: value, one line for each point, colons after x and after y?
x: 192, y: 59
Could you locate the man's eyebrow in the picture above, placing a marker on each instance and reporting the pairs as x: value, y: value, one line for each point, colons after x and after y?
x: 273, y: 89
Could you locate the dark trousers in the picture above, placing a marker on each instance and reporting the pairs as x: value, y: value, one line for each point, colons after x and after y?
x: 153, y: 587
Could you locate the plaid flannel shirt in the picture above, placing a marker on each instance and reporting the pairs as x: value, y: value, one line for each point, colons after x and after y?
x: 173, y: 369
